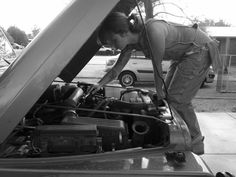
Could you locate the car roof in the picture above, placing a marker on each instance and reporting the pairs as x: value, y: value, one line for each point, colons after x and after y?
x: 62, y: 49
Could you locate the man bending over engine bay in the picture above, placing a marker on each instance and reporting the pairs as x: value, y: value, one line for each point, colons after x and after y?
x: 191, y: 52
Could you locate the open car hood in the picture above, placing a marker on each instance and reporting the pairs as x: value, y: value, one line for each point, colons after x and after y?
x: 62, y: 49
x: 53, y: 129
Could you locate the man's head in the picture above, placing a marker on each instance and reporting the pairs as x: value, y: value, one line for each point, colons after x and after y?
x: 118, y: 30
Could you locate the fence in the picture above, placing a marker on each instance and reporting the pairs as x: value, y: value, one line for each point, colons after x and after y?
x: 226, y: 78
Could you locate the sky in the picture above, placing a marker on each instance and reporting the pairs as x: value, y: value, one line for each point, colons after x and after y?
x: 27, y: 14
x: 210, y: 9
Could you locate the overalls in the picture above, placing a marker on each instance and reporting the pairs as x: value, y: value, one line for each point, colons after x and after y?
x: 191, y: 53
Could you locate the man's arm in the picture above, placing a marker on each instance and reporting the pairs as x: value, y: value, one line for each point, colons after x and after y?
x: 157, y: 34
x: 117, y: 68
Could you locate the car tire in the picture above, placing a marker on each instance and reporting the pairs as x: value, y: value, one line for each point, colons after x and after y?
x: 107, y: 52
x: 127, y: 79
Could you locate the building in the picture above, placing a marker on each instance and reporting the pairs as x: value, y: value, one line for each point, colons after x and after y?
x: 227, y: 38
x: 227, y: 46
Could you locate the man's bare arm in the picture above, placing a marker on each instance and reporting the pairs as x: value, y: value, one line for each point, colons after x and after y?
x: 117, y: 68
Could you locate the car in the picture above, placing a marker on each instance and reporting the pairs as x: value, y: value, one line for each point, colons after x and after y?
x: 139, y: 69
x: 209, y: 77
x: 50, y: 128
x: 7, y: 53
x: 105, y: 51
x: 17, y: 46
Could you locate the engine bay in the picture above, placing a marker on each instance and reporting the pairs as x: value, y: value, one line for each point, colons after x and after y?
x: 67, y: 120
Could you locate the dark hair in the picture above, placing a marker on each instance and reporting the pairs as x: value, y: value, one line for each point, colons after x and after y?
x: 118, y: 22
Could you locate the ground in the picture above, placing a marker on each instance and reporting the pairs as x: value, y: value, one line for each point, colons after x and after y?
x: 214, y: 105
x: 210, y: 100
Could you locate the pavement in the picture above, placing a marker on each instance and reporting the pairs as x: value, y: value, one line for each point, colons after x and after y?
x: 219, y: 129
x: 209, y: 92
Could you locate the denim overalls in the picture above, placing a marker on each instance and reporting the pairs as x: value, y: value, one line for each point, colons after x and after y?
x: 191, y: 53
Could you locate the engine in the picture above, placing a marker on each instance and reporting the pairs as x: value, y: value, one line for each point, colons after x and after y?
x: 66, y: 120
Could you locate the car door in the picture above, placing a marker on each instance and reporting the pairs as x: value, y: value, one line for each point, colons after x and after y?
x: 142, y: 66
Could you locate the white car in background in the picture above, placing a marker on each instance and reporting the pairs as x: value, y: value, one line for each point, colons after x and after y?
x: 139, y: 69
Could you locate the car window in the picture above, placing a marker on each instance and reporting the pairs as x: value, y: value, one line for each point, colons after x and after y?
x: 107, y: 51
x: 138, y: 55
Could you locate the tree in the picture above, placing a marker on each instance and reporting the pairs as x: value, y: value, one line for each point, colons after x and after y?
x: 148, y: 5
x: 210, y: 22
x: 125, y: 6
x: 18, y: 35
x: 35, y: 31
x: 222, y: 23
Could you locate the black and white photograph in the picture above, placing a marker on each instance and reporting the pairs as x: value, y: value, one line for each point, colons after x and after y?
x: 112, y: 88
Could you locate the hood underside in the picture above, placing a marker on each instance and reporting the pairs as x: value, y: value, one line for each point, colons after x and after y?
x: 62, y: 49
x: 89, y: 49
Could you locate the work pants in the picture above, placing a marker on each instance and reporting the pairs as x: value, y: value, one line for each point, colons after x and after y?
x: 183, y: 80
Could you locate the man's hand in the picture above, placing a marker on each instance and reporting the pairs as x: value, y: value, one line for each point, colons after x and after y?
x: 159, y: 102
x: 93, y: 89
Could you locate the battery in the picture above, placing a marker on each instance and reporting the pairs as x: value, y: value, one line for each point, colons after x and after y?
x: 75, y: 139
x: 114, y: 133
